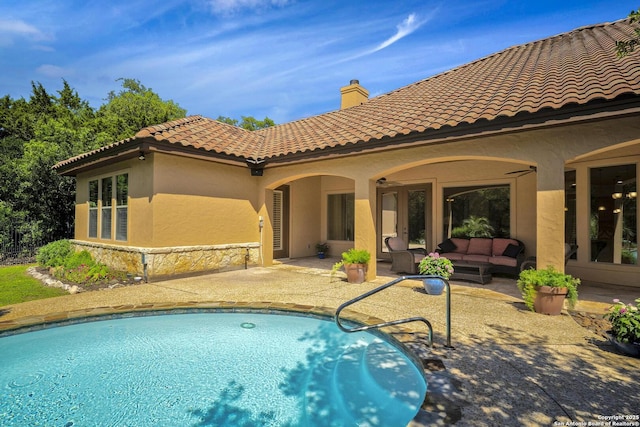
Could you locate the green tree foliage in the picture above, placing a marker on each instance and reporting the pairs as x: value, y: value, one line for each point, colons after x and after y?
x: 247, y: 122
x: 474, y: 226
x: 37, y: 133
x: 626, y: 47
x: 132, y: 109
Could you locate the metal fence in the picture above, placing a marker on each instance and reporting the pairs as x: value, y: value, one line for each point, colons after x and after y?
x: 18, y: 246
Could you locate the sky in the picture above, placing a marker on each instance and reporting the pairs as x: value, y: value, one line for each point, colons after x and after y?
x: 282, y: 59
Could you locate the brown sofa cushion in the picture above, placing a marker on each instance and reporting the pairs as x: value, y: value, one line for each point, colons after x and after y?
x: 503, y: 260
x: 461, y: 245
x: 480, y: 246
x: 453, y: 256
x: 500, y: 245
x: 476, y: 258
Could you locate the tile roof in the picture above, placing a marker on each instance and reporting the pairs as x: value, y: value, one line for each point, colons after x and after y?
x: 575, y: 67
x: 571, y: 68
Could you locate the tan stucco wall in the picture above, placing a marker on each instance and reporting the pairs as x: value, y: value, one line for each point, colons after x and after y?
x: 185, y: 215
x: 140, y: 225
x: 177, y: 201
x: 202, y: 203
x: 487, y: 160
x: 305, y: 216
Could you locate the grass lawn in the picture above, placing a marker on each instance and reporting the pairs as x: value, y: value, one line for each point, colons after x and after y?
x: 17, y: 286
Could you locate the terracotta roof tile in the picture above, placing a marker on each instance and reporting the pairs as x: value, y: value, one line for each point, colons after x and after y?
x: 571, y: 68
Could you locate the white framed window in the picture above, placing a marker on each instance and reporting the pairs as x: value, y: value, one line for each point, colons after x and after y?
x: 93, y: 208
x: 105, y: 193
x: 107, y: 201
x: 122, y: 206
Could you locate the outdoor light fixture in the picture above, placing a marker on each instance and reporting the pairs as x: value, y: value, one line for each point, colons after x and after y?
x: 141, y: 156
x: 256, y: 166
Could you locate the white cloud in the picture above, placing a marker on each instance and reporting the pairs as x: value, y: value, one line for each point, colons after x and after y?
x: 10, y: 29
x: 18, y: 27
x: 405, y: 28
x: 226, y: 7
x: 54, y: 71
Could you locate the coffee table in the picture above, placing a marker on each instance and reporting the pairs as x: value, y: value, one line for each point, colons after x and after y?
x: 479, y: 272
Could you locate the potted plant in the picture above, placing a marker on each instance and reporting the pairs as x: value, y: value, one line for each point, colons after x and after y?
x: 625, y: 327
x: 435, y: 265
x: 544, y: 291
x: 322, y: 249
x: 355, y: 264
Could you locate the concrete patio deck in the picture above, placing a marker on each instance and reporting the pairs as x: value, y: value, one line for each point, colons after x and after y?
x: 508, y: 365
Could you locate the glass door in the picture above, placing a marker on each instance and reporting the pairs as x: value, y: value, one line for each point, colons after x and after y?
x: 403, y: 212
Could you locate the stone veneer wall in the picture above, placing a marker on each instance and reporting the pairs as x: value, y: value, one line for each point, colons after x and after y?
x: 172, y: 261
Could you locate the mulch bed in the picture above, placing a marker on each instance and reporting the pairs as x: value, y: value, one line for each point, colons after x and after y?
x: 592, y: 321
x: 92, y: 286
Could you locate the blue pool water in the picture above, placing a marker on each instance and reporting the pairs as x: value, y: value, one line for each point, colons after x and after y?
x: 206, y: 369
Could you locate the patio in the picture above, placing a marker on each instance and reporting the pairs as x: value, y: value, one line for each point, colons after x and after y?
x: 508, y: 365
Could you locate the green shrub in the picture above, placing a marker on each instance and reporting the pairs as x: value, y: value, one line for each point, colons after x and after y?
x: 78, y: 259
x: 54, y: 254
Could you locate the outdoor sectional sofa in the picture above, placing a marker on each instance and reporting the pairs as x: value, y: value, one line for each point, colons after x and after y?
x: 504, y: 254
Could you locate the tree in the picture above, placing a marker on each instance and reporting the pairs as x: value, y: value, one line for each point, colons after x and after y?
x: 248, y: 122
x: 132, y: 109
x: 626, y: 47
x: 38, y: 133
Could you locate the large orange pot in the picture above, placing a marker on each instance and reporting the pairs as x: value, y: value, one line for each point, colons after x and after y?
x: 549, y: 300
x: 356, y: 273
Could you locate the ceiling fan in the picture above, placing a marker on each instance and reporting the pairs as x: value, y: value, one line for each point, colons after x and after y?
x: 523, y: 172
x: 382, y: 182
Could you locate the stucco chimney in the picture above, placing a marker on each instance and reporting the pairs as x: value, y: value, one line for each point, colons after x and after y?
x: 353, y: 95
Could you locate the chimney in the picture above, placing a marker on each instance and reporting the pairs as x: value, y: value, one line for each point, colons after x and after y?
x: 353, y: 95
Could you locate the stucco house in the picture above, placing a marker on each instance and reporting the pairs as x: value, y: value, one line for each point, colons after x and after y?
x: 541, y: 140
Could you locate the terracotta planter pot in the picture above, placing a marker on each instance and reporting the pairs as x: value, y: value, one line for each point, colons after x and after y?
x: 549, y: 300
x: 356, y: 273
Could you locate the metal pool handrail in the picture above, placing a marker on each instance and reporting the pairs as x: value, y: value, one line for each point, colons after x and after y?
x: 401, y: 321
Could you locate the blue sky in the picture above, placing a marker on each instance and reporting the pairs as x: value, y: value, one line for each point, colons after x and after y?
x: 285, y: 59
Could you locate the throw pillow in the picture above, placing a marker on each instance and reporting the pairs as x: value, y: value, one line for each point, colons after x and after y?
x: 447, y: 246
x: 512, y: 250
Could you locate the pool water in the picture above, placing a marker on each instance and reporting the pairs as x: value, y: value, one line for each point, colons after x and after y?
x: 206, y: 369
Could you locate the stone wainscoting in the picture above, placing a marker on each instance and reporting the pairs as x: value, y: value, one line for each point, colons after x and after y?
x: 153, y: 263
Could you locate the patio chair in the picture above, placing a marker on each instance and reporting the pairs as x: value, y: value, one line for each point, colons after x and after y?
x: 403, y: 259
x: 569, y: 251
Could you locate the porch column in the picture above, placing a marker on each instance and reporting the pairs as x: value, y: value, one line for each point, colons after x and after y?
x: 550, y: 213
x: 365, y: 224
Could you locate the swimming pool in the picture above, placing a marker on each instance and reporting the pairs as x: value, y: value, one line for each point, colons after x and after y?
x: 206, y: 369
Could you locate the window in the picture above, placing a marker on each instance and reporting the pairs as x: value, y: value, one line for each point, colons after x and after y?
x: 107, y: 194
x: 613, y: 220
x: 277, y: 220
x: 477, y: 211
x: 122, y: 193
x: 340, y: 216
x: 101, y: 202
x: 570, y: 217
x: 93, y: 208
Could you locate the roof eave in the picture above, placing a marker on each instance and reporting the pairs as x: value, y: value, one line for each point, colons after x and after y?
x: 135, y: 148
